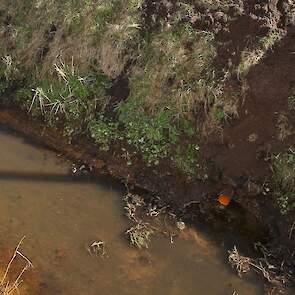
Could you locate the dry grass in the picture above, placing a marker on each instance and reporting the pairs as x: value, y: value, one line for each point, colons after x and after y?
x: 94, y: 33
x: 170, y: 74
x: 8, y: 287
x: 284, y: 128
x: 244, y: 265
x: 251, y: 57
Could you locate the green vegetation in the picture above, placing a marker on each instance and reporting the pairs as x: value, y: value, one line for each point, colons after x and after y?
x: 174, y: 74
x: 186, y: 159
x: 151, y: 134
x: 104, y: 132
x: 177, y: 96
x: 284, y: 180
x: 104, y: 14
x: 172, y: 79
x: 140, y: 236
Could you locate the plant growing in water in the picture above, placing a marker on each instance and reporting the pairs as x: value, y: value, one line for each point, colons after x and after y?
x: 10, y: 288
x: 140, y: 235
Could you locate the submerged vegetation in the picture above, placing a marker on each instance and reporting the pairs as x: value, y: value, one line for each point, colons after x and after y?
x: 139, y: 236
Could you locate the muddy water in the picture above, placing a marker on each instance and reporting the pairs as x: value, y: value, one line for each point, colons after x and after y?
x: 60, y: 216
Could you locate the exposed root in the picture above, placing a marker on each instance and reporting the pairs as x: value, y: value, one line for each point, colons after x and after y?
x: 269, y: 271
x: 241, y: 263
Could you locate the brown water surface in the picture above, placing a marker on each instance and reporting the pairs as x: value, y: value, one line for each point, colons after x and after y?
x: 61, y: 215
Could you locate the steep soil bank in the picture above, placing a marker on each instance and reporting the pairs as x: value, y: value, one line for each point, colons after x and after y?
x: 270, y: 84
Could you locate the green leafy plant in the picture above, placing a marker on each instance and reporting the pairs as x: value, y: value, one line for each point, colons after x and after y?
x: 151, y: 134
x: 68, y: 95
x: 103, y: 132
x: 186, y: 159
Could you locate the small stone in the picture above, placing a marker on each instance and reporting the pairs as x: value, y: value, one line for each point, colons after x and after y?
x: 252, y: 137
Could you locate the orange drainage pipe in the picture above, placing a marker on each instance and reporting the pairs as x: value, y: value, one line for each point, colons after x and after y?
x: 224, y: 200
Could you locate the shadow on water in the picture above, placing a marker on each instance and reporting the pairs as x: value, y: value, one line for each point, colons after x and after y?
x: 49, y: 177
x: 62, y: 214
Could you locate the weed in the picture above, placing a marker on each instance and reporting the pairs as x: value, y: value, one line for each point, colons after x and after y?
x: 70, y: 96
x: 284, y: 180
x: 9, y: 68
x: 186, y: 159
x: 41, y: 98
x: 103, y: 132
x: 169, y: 72
x: 151, y: 134
x: 220, y: 114
x: 250, y: 58
x: 269, y: 41
x: 140, y: 235
x: 23, y: 95
x: 125, y: 29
